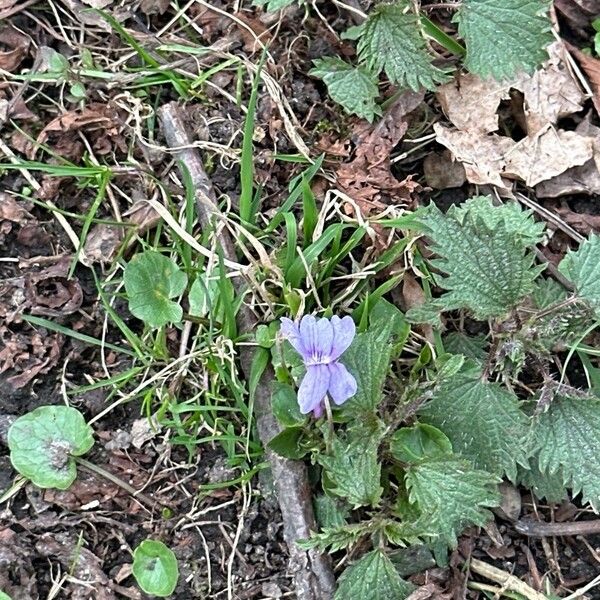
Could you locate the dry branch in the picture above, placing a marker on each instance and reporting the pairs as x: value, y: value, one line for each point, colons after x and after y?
x: 311, y: 570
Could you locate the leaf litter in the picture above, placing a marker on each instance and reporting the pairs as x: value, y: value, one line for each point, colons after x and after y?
x: 552, y: 152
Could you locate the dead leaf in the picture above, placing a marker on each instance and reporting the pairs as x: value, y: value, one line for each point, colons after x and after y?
x: 14, y: 211
x: 582, y: 222
x: 547, y: 154
x: 102, y: 242
x: 482, y: 156
x: 442, y: 171
x: 470, y: 103
x: 591, y: 66
x: 551, y: 93
x: 154, y: 7
x: 579, y: 14
x: 368, y: 178
x: 17, y: 45
x: 413, y: 296
x: 49, y: 292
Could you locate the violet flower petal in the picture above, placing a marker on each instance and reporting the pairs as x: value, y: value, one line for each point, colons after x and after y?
x: 344, y: 331
x: 313, y: 388
x: 342, y: 384
x: 324, y: 339
x: 290, y: 332
x: 308, y: 335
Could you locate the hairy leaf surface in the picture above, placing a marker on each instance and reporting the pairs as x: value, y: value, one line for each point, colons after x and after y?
x: 483, y: 421
x: 391, y: 41
x: 451, y: 495
x: 485, y: 252
x: 355, y: 88
x: 568, y: 440
x: 504, y: 38
x: 373, y: 577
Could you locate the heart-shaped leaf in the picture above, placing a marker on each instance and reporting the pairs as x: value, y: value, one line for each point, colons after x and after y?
x: 152, y: 281
x: 155, y: 568
x: 43, y: 443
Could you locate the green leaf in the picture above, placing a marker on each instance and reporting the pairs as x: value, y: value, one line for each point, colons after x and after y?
x: 473, y: 347
x: 273, y: 5
x: 483, y: 421
x: 43, y: 443
x: 548, y: 292
x: 486, y: 254
x: 368, y: 359
x: 151, y: 281
x: 451, y: 495
x: 287, y: 443
x: 203, y: 296
x: 568, y: 440
x: 543, y: 484
x: 4, y: 596
x: 373, y: 577
x: 284, y: 402
x: 504, y: 38
x: 354, y: 469
x: 155, y: 568
x: 391, y: 41
x: 354, y: 88
x: 583, y: 269
x: 413, y: 444
x: 329, y: 511
x: 335, y: 538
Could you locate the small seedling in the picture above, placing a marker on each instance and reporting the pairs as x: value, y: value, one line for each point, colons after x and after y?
x: 152, y: 281
x: 44, y: 442
x: 155, y: 568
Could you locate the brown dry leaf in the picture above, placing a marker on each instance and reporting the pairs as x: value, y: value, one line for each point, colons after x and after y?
x: 547, y: 154
x: 591, y: 66
x: 49, y: 292
x: 579, y: 14
x: 102, y: 242
x: 11, y: 210
x: 17, y: 45
x: 470, y: 103
x: 367, y: 178
x: 483, y: 156
x: 442, y: 171
x: 582, y: 222
x: 488, y: 158
x: 100, y: 121
x: 154, y: 7
x: 551, y: 92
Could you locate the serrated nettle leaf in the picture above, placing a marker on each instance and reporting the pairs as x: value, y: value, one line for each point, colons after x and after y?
x: 448, y: 365
x: 403, y: 533
x: 451, y: 495
x: 284, y: 402
x: 428, y: 313
x: 548, y: 292
x: 152, y: 280
x: 472, y: 347
x: 354, y: 88
x: 335, y: 538
x: 43, y: 443
x: 329, y: 512
x: 155, y: 568
x: 504, y: 38
x: 583, y: 269
x: 567, y: 438
x: 354, y: 469
x: 545, y: 485
x: 422, y: 441
x: 391, y: 41
x: 483, y: 421
x: 485, y: 253
x: 373, y: 577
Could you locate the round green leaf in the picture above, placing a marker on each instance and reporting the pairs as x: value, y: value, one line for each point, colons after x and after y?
x: 151, y: 281
x: 43, y: 443
x: 4, y: 596
x: 413, y: 444
x: 203, y: 296
x: 155, y: 568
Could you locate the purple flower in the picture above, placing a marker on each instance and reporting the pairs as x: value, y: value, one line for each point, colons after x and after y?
x: 320, y: 343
